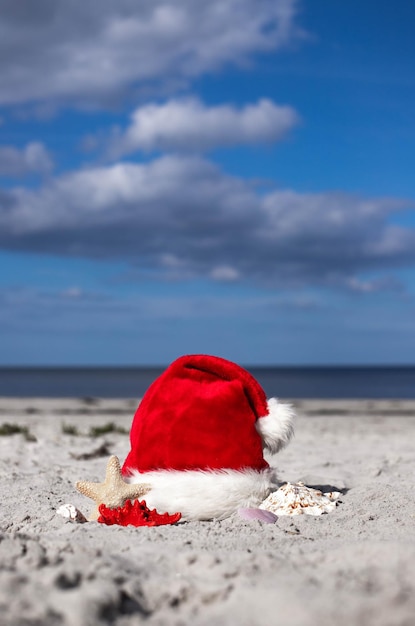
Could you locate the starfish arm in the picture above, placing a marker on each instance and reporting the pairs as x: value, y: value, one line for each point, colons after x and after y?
x: 88, y: 489
x: 113, y: 471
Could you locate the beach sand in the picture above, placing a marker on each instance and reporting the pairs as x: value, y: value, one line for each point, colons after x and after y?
x: 354, y: 566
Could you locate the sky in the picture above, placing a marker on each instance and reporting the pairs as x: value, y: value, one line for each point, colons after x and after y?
x: 232, y: 177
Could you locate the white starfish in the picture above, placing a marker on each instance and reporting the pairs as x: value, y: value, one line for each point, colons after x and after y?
x: 114, y: 491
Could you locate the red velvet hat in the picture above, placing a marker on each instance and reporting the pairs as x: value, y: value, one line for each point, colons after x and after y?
x: 204, y: 413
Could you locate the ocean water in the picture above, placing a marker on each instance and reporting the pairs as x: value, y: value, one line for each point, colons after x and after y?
x: 284, y: 382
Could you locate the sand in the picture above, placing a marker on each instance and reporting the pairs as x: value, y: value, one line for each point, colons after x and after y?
x: 354, y: 566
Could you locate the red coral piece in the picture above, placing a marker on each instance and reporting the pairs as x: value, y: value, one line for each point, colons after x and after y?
x: 135, y: 514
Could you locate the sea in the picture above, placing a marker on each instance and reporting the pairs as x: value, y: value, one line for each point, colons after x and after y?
x: 283, y: 382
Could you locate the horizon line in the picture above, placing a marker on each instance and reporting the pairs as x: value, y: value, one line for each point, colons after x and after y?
x: 247, y: 366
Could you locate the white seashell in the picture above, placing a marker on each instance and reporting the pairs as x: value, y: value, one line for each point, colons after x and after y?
x: 297, y: 499
x: 71, y: 513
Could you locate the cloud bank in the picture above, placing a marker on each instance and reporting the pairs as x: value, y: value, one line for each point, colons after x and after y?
x: 92, y: 52
x: 183, y: 217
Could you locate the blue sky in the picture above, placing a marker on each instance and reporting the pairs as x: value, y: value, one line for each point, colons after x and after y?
x: 233, y: 177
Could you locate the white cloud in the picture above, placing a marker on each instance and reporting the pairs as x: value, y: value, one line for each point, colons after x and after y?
x: 224, y: 273
x: 184, y: 217
x: 189, y: 125
x: 92, y: 51
x: 33, y: 158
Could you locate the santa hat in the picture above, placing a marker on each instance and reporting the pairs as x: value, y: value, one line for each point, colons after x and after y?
x: 198, y: 437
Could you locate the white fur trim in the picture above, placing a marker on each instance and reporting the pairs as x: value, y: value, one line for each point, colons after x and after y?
x: 204, y: 495
x: 276, y: 428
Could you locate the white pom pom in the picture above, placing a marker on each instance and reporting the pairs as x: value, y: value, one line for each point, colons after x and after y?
x: 276, y: 428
